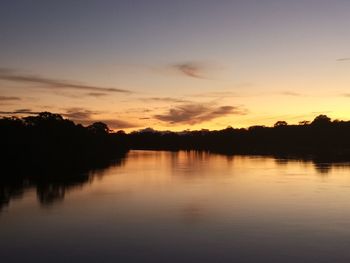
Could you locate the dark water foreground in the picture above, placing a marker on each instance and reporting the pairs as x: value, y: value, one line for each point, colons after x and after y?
x: 180, y: 207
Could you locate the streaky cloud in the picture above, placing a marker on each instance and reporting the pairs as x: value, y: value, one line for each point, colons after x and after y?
x: 195, y: 113
x: 79, y: 113
x: 216, y: 94
x: 190, y: 69
x: 343, y: 59
x: 166, y: 99
x: 9, y: 98
x: 24, y: 111
x: 96, y: 94
x: 85, y: 117
x: 20, y: 112
x: 48, y: 83
x: 120, y: 124
x: 291, y: 93
x: 112, y: 123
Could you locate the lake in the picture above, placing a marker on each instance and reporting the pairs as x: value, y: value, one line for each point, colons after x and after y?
x: 183, y: 207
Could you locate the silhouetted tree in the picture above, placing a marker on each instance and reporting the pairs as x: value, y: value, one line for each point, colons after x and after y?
x: 52, y: 153
x: 280, y: 123
x: 323, y: 139
x: 321, y: 120
x: 39, y: 150
x: 99, y: 128
x: 304, y: 122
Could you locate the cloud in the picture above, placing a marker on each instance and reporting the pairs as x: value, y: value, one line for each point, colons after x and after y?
x: 196, y: 113
x: 216, y: 94
x: 291, y: 93
x: 343, y: 59
x: 48, y: 83
x: 26, y: 111
x: 119, y: 124
x: 96, y: 94
x: 19, y: 112
x: 190, y: 69
x: 85, y: 117
x: 7, y: 98
x: 79, y: 114
x: 166, y: 99
x: 346, y: 94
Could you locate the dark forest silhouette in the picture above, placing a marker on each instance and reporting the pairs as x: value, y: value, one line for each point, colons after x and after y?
x: 53, y: 155
x: 50, y: 140
x: 321, y: 139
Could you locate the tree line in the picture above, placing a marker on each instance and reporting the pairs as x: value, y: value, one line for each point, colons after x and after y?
x: 49, y: 140
x: 320, y: 139
x: 54, y: 154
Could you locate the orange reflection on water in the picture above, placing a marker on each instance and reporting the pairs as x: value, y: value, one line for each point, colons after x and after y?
x: 193, y: 204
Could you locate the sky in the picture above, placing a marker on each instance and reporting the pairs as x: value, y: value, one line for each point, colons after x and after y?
x: 175, y: 65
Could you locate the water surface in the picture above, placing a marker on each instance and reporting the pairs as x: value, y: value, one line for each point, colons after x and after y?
x: 184, y: 207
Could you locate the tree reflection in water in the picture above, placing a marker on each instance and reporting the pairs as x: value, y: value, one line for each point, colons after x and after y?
x: 52, y: 186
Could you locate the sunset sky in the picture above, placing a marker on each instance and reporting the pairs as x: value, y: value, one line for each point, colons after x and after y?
x: 175, y: 65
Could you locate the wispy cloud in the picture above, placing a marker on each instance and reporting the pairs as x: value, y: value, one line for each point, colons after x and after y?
x: 343, y: 59
x: 79, y: 114
x: 166, y: 99
x: 96, y: 94
x: 346, y: 94
x: 217, y: 94
x: 120, y: 124
x: 86, y: 117
x: 49, y: 83
x: 25, y: 111
x: 19, y: 112
x: 291, y: 93
x: 9, y: 98
x: 190, y: 69
x: 197, y: 113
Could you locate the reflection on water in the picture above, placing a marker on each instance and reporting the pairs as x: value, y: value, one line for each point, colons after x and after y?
x: 50, y: 187
x: 180, y: 207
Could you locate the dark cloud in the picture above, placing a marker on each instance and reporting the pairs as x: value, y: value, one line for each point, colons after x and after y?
x: 85, y: 117
x: 9, y: 98
x: 48, y: 83
x: 96, y: 94
x: 79, y: 114
x: 119, y: 124
x: 166, y: 99
x: 25, y: 111
x: 20, y: 112
x: 343, y: 59
x: 190, y: 69
x: 197, y: 113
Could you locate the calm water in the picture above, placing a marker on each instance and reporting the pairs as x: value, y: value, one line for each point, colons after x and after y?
x: 184, y: 207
